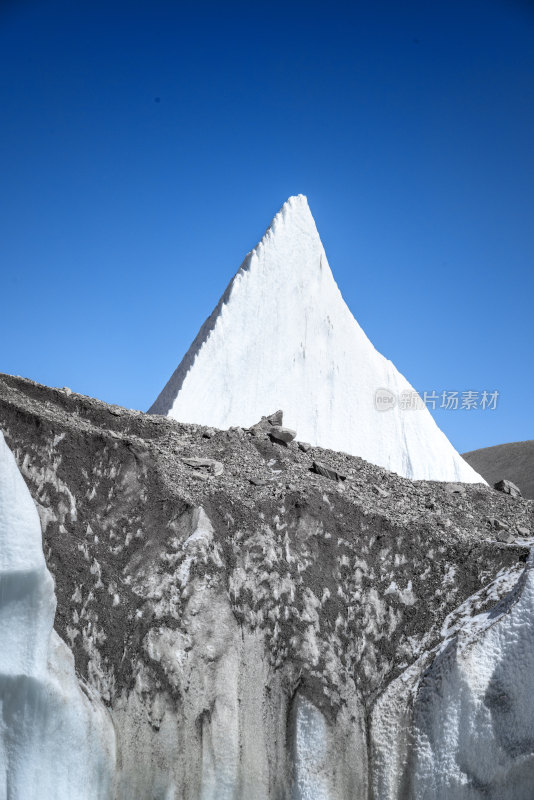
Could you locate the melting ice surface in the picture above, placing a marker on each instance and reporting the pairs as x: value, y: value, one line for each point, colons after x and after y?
x: 455, y: 726
x: 55, y: 740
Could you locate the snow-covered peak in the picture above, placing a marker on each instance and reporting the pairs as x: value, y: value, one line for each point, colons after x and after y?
x: 295, y: 211
x: 283, y: 337
x: 291, y: 242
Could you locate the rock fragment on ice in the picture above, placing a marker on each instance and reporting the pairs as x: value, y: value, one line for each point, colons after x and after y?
x: 305, y: 447
x: 281, y: 434
x: 498, y: 524
x: 206, y: 464
x: 266, y: 423
x: 379, y: 491
x: 508, y: 488
x: 327, y: 472
x: 455, y: 488
x: 258, y: 481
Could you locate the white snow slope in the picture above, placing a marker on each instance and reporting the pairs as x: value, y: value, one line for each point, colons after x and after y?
x: 55, y: 741
x: 283, y: 337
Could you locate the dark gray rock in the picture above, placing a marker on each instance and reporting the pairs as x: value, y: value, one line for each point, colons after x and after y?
x: 258, y: 481
x: 455, y: 488
x: 207, y: 464
x: 504, y: 536
x: 277, y: 418
x: 327, y: 472
x: 266, y: 423
x: 281, y: 434
x: 305, y: 446
x: 498, y: 524
x: 379, y: 491
x: 508, y: 488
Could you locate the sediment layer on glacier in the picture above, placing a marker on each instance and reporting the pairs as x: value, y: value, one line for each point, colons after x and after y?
x: 264, y: 632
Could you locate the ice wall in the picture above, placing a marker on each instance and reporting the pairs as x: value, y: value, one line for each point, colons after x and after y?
x: 266, y: 634
x: 462, y: 727
x: 55, y: 740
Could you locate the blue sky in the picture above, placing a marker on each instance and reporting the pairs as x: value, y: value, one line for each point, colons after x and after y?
x: 145, y: 147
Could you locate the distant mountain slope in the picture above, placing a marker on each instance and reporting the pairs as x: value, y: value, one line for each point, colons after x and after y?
x: 514, y: 461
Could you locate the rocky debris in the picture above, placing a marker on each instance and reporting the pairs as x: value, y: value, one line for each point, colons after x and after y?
x: 272, y: 426
x: 206, y: 464
x: 281, y: 434
x: 277, y: 418
x: 258, y: 481
x: 455, y: 488
x: 305, y: 447
x: 504, y: 536
x: 379, y: 491
x: 266, y: 423
x: 507, y: 487
x: 501, y: 530
x: 498, y: 524
x: 327, y: 472
x: 200, y: 476
x: 522, y: 531
x: 236, y: 430
x: 209, y: 433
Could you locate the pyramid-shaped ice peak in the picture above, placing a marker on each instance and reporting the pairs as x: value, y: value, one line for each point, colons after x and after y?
x: 283, y: 337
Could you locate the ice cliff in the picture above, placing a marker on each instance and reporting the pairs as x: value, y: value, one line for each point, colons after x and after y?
x: 283, y: 337
x: 256, y: 632
x: 56, y: 737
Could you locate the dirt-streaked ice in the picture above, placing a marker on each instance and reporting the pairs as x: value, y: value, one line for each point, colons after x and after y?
x: 307, y: 644
x: 55, y: 740
x: 283, y: 337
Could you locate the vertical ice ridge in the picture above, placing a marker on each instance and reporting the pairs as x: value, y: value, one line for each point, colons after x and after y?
x: 461, y: 727
x: 27, y: 600
x: 55, y: 743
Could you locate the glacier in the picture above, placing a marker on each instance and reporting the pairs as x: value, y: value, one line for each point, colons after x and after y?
x: 283, y: 337
x: 56, y: 737
x: 206, y: 637
x: 468, y: 711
